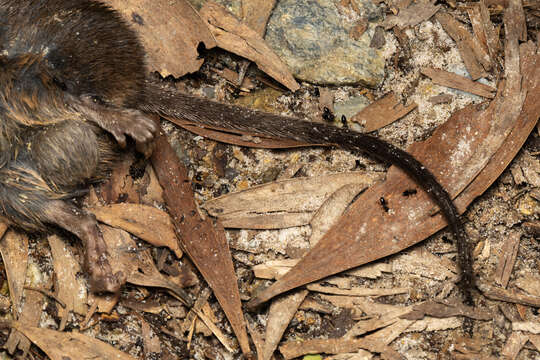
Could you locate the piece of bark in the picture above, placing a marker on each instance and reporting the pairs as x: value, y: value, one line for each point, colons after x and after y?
x: 146, y: 222
x: 500, y: 131
x: 471, y: 51
x: 238, y: 38
x: 532, y: 228
x: 412, y: 15
x: 170, y: 32
x: 429, y: 324
x: 255, y: 14
x: 530, y: 283
x: 422, y: 262
x: 282, y: 203
x: 513, y: 345
x: 203, y: 241
x: 507, y: 258
x: 255, y: 336
x: 69, y: 345
x: 382, y: 112
x: 280, y: 315
x: 477, y: 23
x: 459, y: 82
x: 515, y: 9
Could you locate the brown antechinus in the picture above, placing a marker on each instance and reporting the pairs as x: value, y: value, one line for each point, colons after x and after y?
x: 74, y: 84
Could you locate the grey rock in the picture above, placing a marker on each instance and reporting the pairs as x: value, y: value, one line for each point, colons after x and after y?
x: 314, y: 42
x: 350, y: 107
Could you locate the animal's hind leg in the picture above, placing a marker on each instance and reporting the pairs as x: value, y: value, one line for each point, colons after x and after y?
x: 28, y: 202
x: 85, y: 227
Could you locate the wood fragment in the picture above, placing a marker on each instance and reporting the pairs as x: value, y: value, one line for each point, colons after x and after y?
x: 470, y: 50
x: 507, y: 258
x: 530, y: 283
x: 382, y: 112
x: 280, y: 315
x: 459, y: 82
x: 238, y: 38
x: 515, y: 8
x: 513, y: 345
x: 151, y: 342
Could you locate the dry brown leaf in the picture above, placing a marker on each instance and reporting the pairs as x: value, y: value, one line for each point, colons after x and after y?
x: 471, y: 50
x: 69, y: 288
x: 238, y: 38
x: 532, y: 327
x: 280, y: 315
x: 382, y: 112
x: 290, y: 202
x: 255, y: 14
x: 423, y: 263
x: 138, y: 266
x: 442, y: 310
x: 331, y: 210
x: 412, y: 15
x: 455, y: 81
x: 530, y: 283
x: 507, y: 258
x: 69, y: 345
x: 146, y: 222
x: 357, y: 291
x: 513, y: 345
x: 511, y: 296
x: 493, y: 137
x: 386, y: 319
x: 202, y: 240
x: 151, y: 342
x: 170, y: 31
x: 14, y: 250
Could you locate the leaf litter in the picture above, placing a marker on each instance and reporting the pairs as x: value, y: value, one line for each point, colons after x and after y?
x: 516, y: 107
